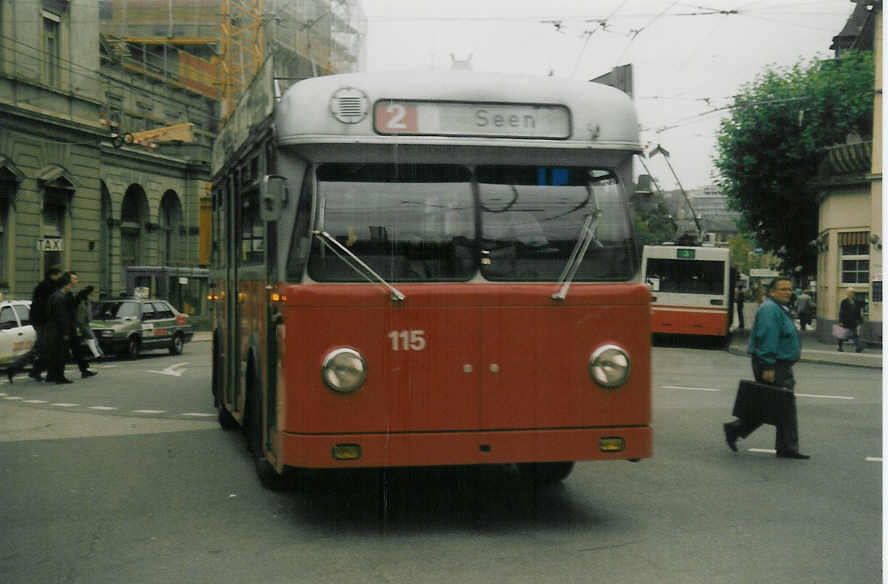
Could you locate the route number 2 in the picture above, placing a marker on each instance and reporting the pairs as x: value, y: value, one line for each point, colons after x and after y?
x: 408, y: 340
x: 397, y: 113
x: 396, y: 118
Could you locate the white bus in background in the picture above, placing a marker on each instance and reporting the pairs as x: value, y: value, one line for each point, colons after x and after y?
x: 691, y: 289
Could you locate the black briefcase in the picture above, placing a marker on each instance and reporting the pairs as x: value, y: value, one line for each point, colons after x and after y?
x: 760, y: 402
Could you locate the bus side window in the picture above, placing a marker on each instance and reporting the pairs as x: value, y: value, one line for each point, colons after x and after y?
x: 252, y: 229
x: 300, y: 244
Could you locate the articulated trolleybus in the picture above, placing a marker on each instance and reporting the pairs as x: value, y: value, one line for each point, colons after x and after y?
x: 431, y: 269
x: 692, y: 289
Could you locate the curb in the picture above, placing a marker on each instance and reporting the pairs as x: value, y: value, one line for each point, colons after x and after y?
x: 835, y: 360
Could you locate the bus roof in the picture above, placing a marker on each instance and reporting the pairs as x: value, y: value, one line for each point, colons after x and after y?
x: 457, y: 107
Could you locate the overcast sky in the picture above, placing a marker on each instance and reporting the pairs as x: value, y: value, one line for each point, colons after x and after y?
x: 688, y: 58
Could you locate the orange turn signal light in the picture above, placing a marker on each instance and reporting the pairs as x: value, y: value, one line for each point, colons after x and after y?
x: 611, y: 444
x: 347, y: 451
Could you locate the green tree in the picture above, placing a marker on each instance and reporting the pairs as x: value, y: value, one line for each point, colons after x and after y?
x: 770, y: 147
x: 742, y: 248
x: 653, y: 222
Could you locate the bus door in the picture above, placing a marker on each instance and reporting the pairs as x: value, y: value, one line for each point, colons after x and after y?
x: 231, y: 304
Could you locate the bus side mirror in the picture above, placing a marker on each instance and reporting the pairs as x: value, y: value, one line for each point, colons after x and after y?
x: 273, y: 195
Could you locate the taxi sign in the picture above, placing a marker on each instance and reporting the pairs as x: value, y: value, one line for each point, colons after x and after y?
x: 685, y: 254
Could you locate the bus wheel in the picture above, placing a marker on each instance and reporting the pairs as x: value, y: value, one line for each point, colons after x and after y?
x: 267, y: 474
x: 226, y: 420
x: 546, y: 473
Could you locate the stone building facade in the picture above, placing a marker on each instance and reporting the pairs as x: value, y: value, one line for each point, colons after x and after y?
x: 76, y: 78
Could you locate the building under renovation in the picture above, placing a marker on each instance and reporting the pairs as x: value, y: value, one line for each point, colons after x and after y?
x: 108, y: 111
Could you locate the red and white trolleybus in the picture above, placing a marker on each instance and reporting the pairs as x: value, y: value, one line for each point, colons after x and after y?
x: 431, y: 269
x: 692, y: 289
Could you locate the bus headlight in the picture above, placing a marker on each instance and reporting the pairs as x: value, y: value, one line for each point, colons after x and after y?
x: 609, y: 366
x: 344, y: 370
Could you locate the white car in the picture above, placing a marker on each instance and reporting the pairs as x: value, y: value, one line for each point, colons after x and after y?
x: 16, y: 333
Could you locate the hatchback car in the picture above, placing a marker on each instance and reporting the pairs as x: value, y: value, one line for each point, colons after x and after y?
x: 17, y: 336
x: 131, y: 326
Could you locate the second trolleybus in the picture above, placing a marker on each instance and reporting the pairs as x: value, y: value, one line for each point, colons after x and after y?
x: 432, y: 269
x: 692, y: 289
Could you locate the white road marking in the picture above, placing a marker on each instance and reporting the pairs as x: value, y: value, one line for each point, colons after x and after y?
x: 149, y: 411
x: 64, y: 405
x: 874, y: 459
x: 35, y: 401
x: 171, y: 370
x: 765, y: 450
x: 12, y: 397
x: 198, y: 415
x: 689, y: 388
x: 102, y: 408
x: 3, y: 395
x: 824, y: 396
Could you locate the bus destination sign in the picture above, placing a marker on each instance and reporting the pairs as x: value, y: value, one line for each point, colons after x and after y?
x: 448, y: 118
x: 685, y: 254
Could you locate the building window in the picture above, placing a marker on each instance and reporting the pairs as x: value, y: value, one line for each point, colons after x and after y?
x: 855, y: 257
x: 170, y: 222
x: 51, y: 46
x: 133, y: 212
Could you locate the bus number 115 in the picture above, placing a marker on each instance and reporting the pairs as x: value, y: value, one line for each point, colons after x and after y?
x: 408, y: 340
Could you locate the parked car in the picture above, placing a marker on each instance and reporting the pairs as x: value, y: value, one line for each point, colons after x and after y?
x: 17, y: 336
x: 133, y: 325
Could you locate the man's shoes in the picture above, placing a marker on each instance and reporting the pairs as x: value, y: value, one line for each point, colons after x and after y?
x: 87, y: 373
x: 793, y: 454
x: 63, y: 380
x: 730, y: 436
x: 840, y: 349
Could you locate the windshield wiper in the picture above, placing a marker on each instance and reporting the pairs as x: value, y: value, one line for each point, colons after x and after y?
x: 351, y: 259
x: 587, y: 235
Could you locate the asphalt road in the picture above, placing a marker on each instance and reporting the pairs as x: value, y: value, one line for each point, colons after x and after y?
x: 153, y: 491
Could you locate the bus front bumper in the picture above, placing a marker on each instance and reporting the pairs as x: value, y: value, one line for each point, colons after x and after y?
x: 460, y: 448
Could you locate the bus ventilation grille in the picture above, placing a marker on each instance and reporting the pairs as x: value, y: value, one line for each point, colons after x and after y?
x: 349, y: 105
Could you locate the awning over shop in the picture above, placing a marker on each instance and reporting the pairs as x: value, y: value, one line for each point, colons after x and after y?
x: 853, y: 238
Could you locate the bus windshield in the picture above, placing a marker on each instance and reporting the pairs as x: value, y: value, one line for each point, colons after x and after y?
x: 687, y: 277
x: 418, y: 222
x: 407, y: 222
x: 532, y: 218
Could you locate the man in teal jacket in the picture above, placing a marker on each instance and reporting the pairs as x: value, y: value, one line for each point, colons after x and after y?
x: 774, y: 346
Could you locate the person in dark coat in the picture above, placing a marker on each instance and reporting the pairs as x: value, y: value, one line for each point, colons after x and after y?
x: 82, y: 330
x: 739, y: 298
x: 774, y: 346
x: 850, y: 317
x: 57, y: 332
x: 39, y: 300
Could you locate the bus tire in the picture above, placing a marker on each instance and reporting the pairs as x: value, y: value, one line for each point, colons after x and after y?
x: 268, y: 476
x: 226, y: 420
x: 546, y: 473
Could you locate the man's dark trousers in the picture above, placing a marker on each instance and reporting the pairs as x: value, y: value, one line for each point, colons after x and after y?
x: 787, y: 439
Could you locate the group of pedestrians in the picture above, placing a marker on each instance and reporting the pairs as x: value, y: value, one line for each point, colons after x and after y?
x: 61, y: 320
